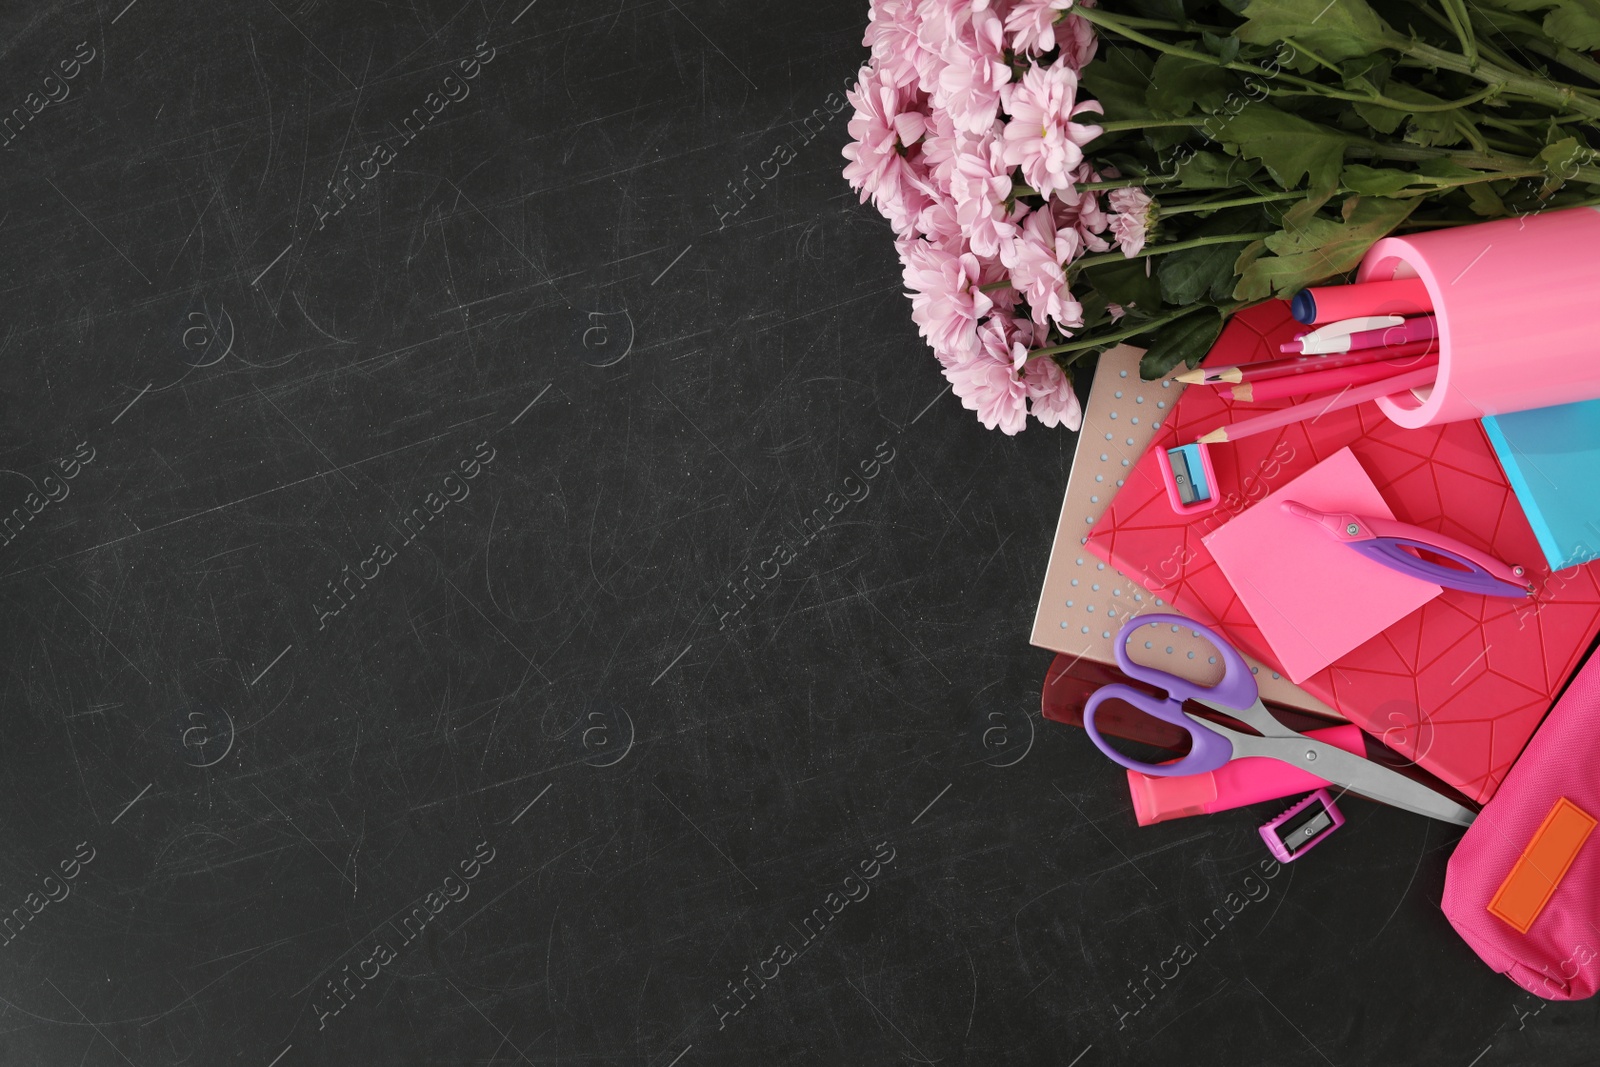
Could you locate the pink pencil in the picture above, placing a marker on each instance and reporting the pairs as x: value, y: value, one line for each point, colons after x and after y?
x: 1321, y: 405
x: 1331, y: 381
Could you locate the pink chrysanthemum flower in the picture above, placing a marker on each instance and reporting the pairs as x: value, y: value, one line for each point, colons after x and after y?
x: 1050, y: 396
x: 939, y: 145
x: 1077, y: 40
x: 1035, y: 258
x: 1081, y: 212
x: 1003, y: 299
x: 990, y: 382
x: 1134, y: 215
x: 975, y: 70
x: 938, y: 223
x: 885, y: 121
x: 946, y: 302
x: 892, y: 27
x: 939, y: 21
x: 1032, y: 24
x: 981, y: 184
x: 1041, y: 137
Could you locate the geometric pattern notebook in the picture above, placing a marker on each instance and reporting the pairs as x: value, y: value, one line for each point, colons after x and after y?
x: 1085, y: 601
x: 1460, y: 684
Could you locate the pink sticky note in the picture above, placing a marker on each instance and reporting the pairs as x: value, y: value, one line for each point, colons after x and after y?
x: 1313, y: 598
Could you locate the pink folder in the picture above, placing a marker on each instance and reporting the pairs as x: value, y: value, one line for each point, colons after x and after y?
x: 1312, y: 598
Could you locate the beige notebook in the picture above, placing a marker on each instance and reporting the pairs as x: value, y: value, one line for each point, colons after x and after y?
x: 1085, y: 601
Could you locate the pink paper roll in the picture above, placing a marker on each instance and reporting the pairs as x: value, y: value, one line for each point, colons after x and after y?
x: 1514, y: 303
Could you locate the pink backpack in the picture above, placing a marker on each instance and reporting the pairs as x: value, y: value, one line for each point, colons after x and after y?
x: 1523, y: 887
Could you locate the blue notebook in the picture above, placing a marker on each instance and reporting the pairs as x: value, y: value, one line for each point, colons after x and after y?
x: 1551, y: 457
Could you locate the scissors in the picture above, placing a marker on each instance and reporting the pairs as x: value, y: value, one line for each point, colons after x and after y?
x: 1237, y: 696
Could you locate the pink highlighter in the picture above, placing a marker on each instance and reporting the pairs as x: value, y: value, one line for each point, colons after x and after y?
x: 1248, y: 780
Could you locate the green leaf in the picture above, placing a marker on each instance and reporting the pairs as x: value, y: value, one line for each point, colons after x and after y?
x: 1520, y: 5
x: 1170, y: 10
x: 1303, y: 211
x: 1425, y: 128
x: 1575, y: 23
x: 1179, y: 84
x: 1558, y: 157
x: 1339, y: 30
x: 1094, y: 311
x: 1447, y: 168
x: 1484, y: 201
x: 1162, y: 138
x: 1190, y: 273
x: 1380, y: 118
x: 1213, y: 170
x: 1118, y: 79
x: 1368, y: 73
x: 1321, y: 248
x: 1291, y: 147
x: 1185, y: 341
x: 1374, y: 181
x: 1224, y: 48
x: 1125, y: 282
x: 1249, y: 286
x: 1434, y: 128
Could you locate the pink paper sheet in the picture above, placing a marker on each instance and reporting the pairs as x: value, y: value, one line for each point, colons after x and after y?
x: 1313, y: 598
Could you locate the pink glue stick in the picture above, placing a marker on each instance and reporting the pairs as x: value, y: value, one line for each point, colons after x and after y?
x: 1247, y: 780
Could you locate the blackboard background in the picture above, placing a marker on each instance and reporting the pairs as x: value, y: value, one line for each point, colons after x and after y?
x: 551, y: 269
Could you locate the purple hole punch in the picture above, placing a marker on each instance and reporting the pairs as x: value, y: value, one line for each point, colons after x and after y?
x: 1302, y: 827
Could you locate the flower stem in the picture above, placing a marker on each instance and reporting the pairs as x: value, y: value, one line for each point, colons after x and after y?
x: 1531, y: 36
x: 1003, y: 283
x: 1176, y: 246
x: 1499, y: 166
x: 1383, y: 101
x: 1551, y: 94
x: 1118, y: 125
x: 1201, y: 205
x: 1574, y: 61
x: 1125, y: 183
x: 1156, y: 24
x: 1111, y: 338
x: 1505, y: 79
x: 1461, y: 23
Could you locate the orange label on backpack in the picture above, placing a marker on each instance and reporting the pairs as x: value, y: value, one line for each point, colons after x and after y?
x: 1542, y: 865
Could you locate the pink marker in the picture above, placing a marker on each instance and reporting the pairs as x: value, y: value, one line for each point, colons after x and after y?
x: 1233, y: 785
x: 1420, y: 328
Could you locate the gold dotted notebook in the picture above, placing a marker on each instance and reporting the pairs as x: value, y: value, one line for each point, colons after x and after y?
x: 1085, y: 601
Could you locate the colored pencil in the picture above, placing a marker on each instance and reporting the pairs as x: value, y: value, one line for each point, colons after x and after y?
x: 1331, y: 380
x: 1319, y: 406
x: 1274, y: 368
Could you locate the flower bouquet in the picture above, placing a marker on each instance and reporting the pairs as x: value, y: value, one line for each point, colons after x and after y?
x: 1062, y: 177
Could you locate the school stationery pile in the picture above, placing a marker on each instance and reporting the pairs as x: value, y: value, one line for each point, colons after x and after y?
x: 1454, y: 679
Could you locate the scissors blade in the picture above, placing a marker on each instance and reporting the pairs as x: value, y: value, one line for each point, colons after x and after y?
x: 1355, y: 773
x: 1257, y: 717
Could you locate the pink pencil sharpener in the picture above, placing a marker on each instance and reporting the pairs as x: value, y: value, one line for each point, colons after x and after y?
x: 1302, y: 827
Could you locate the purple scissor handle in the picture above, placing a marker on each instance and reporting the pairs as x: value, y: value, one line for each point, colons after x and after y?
x: 1235, y: 695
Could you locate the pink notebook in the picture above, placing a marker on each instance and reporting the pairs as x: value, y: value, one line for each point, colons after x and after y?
x: 1312, y: 597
